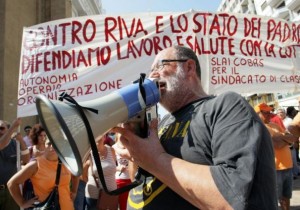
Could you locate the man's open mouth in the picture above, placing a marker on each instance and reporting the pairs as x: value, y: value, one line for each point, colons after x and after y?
x: 162, y: 85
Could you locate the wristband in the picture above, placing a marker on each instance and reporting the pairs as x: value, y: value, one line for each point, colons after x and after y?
x: 25, y: 152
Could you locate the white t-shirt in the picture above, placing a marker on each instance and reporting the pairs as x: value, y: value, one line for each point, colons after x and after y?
x: 109, y: 169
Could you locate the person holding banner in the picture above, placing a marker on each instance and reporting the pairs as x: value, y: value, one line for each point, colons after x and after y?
x: 8, y: 160
x: 209, y: 152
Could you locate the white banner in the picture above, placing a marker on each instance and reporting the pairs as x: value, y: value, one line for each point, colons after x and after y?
x: 91, y: 56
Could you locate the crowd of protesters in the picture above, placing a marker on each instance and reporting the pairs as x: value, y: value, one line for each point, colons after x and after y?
x: 208, y: 152
x: 31, y: 157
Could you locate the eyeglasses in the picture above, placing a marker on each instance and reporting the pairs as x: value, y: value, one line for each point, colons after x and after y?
x: 161, y: 64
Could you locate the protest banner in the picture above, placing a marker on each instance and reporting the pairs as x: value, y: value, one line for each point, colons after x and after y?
x: 89, y: 57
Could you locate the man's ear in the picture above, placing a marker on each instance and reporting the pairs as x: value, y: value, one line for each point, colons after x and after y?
x: 191, y: 67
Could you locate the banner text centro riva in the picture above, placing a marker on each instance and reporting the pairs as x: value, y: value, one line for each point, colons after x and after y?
x: 92, y: 56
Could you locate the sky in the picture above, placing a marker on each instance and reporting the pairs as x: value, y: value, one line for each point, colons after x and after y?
x: 113, y: 7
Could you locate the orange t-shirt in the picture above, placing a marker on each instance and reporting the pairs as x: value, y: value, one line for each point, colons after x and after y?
x: 44, y: 181
x: 283, y: 156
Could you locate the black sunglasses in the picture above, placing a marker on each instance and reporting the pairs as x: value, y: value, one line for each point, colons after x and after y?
x: 2, y: 128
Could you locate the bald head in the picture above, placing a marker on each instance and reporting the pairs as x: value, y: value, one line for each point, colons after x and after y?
x: 178, y: 71
x: 179, y: 53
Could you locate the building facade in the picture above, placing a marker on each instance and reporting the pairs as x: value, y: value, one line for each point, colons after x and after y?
x: 16, y: 14
x: 237, y: 6
x: 285, y: 9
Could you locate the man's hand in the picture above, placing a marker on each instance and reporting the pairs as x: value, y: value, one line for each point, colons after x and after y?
x: 18, y: 136
x: 142, y: 151
x: 16, y: 123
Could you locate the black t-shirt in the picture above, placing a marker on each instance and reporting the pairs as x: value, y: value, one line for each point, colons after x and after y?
x: 8, y: 162
x: 225, y: 133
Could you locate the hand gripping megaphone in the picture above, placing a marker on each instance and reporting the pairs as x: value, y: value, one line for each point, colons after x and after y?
x: 67, y: 131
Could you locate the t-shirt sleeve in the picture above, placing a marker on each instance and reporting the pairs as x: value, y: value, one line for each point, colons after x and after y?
x: 236, y: 137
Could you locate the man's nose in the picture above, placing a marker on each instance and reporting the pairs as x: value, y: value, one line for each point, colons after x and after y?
x: 154, y: 74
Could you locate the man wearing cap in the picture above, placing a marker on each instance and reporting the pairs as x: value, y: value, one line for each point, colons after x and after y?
x: 283, y: 158
x: 26, y: 138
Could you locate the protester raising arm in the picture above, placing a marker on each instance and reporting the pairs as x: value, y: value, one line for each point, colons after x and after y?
x: 6, y: 137
x: 25, y: 154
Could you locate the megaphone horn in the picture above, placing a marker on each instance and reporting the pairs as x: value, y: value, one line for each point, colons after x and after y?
x: 67, y: 131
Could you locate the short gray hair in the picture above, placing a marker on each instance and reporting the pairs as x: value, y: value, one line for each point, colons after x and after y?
x: 184, y: 53
x: 280, y: 109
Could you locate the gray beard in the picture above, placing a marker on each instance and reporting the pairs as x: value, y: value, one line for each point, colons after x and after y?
x: 176, y: 89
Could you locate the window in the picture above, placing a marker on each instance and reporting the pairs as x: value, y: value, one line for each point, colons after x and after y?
x: 259, y: 99
x: 270, y: 97
x: 263, y: 6
x: 282, y: 4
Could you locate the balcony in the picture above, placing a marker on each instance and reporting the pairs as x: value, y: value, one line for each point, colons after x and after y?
x: 273, y: 3
x: 292, y: 4
x: 295, y: 19
x: 244, y: 9
x: 282, y: 13
x: 244, y: 2
x: 87, y: 7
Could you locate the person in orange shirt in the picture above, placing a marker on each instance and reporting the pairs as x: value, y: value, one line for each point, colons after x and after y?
x: 42, y: 172
x: 283, y: 158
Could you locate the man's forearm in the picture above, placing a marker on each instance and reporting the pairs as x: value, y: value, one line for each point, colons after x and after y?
x: 25, y: 154
x: 193, y: 182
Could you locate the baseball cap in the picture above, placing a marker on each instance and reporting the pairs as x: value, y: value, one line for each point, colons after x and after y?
x: 262, y: 107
